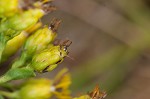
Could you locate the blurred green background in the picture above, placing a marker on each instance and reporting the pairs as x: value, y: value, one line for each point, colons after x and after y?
x: 111, y: 43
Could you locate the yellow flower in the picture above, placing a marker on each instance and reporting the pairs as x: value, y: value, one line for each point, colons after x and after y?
x: 39, y: 40
x: 61, y: 84
x: 36, y: 89
x: 8, y: 7
x: 48, y: 59
x: 34, y: 44
x: 44, y: 88
x: 19, y: 22
x: 15, y: 43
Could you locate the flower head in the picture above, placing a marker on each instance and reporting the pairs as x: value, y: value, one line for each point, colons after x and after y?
x: 36, y: 89
x: 8, y: 7
x: 61, y: 85
x: 39, y: 40
x: 48, y: 59
x: 44, y: 88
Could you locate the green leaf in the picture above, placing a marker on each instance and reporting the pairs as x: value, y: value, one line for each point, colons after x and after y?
x: 17, y: 73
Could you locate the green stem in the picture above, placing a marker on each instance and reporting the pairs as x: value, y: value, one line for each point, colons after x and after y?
x: 2, y: 46
x: 8, y: 94
x: 3, y: 42
x: 4, y: 79
x: 21, y: 61
x: 8, y: 86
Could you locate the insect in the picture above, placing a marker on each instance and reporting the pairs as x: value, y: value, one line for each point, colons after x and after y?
x: 97, y: 94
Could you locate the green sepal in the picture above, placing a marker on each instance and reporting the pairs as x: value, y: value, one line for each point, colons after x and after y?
x: 9, y: 95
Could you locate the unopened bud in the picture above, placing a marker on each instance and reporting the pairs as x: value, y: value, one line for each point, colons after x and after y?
x: 35, y: 44
x: 47, y: 60
x: 14, y: 25
x: 36, y: 89
x: 14, y: 45
x: 26, y: 19
x: 44, y: 88
x: 8, y: 7
x: 39, y: 40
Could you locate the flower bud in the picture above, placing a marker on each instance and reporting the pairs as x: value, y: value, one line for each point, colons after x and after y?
x: 13, y: 45
x: 45, y: 88
x: 14, y: 25
x: 36, y: 43
x: 36, y: 89
x: 8, y: 7
x: 41, y: 88
x: 48, y: 59
x: 39, y: 40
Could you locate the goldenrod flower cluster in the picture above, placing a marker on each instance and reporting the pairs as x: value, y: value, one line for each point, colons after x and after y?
x: 43, y: 88
x: 20, y: 28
